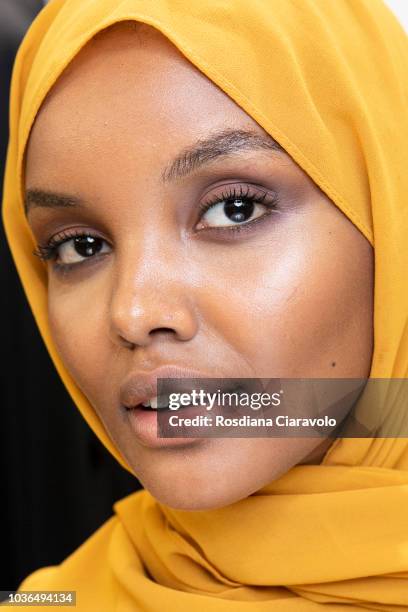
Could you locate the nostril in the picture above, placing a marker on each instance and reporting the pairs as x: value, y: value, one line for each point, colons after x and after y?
x: 159, y: 330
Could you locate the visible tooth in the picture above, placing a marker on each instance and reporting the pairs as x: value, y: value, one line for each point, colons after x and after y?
x: 153, y: 403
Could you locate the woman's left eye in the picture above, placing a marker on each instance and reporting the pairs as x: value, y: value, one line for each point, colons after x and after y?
x: 232, y: 209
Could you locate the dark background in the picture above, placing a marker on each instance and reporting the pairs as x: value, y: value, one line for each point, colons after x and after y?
x: 58, y: 482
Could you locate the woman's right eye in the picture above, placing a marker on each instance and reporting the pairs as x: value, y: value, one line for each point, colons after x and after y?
x: 68, y: 251
x: 79, y: 248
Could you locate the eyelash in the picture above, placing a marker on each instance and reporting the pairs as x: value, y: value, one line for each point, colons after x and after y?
x: 49, y: 251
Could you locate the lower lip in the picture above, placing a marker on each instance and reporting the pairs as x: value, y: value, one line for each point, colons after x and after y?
x: 144, y: 425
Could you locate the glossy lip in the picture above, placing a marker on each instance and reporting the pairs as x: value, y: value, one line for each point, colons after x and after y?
x: 144, y: 424
x: 142, y: 386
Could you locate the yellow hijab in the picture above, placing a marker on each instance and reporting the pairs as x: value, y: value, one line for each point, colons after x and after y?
x: 328, y: 80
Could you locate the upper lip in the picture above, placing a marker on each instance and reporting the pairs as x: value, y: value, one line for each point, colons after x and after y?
x: 141, y: 386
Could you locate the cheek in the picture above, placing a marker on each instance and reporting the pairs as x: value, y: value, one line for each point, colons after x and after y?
x: 303, y: 301
x: 78, y: 324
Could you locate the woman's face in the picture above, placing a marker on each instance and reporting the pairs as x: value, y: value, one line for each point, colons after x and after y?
x: 276, y: 287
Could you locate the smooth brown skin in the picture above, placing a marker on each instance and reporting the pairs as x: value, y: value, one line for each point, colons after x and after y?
x: 289, y: 298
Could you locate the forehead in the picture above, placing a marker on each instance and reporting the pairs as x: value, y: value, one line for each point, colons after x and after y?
x: 129, y: 85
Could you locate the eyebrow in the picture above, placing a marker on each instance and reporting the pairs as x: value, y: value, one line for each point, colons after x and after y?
x: 220, y: 144
x: 203, y: 151
x: 47, y: 199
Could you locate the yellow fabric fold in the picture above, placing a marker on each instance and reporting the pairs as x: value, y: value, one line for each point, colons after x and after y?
x: 328, y: 79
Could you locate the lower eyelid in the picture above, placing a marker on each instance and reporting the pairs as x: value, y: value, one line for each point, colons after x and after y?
x: 232, y: 232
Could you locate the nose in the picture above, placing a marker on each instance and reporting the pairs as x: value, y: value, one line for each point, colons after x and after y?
x: 148, y: 301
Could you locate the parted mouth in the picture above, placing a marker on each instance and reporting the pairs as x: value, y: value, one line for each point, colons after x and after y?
x: 140, y: 389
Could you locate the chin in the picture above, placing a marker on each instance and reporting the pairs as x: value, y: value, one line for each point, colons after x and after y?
x: 204, y: 494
